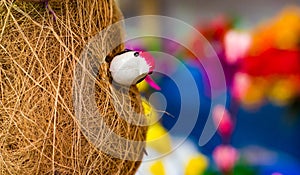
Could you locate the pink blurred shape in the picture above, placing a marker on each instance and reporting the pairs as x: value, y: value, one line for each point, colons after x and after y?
x: 225, y: 157
x: 152, y: 83
x: 276, y: 173
x: 241, y: 83
x: 222, y: 121
x: 237, y: 45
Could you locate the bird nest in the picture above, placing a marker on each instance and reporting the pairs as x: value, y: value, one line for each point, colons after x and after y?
x: 49, y: 83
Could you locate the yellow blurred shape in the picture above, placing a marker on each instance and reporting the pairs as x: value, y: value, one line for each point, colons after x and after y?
x: 255, y: 93
x: 282, y: 91
x: 149, y: 112
x: 287, y: 28
x: 282, y: 32
x: 157, y: 168
x: 142, y: 86
x: 159, y: 139
x: 157, y: 136
x: 196, y: 165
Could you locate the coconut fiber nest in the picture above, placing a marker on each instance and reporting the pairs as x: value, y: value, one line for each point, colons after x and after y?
x: 59, y: 112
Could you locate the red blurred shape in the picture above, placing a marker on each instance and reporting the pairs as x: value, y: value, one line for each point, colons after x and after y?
x: 223, y: 121
x: 273, y: 62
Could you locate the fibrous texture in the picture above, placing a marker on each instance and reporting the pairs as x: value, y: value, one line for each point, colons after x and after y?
x: 41, y: 130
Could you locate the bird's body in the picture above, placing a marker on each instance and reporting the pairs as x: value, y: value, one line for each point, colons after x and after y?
x: 130, y: 67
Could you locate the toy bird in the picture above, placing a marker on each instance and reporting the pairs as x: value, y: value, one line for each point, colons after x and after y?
x: 131, y: 67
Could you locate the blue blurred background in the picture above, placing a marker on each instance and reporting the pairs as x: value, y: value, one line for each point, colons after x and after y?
x: 269, y: 128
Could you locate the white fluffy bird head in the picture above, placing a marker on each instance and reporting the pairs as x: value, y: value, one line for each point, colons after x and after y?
x: 130, y: 67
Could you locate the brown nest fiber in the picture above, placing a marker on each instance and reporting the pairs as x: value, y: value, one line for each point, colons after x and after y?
x: 39, y: 131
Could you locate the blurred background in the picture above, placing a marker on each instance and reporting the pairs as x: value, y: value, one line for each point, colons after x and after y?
x: 258, y: 44
x: 193, y: 11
